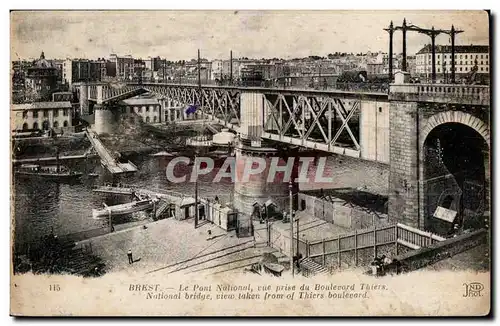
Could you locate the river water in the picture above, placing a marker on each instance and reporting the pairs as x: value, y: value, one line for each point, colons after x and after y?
x: 42, y: 206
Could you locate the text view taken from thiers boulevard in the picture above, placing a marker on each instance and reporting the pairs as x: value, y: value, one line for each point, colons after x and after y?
x: 307, y: 155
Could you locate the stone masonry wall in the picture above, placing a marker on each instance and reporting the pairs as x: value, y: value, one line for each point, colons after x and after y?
x: 403, y: 187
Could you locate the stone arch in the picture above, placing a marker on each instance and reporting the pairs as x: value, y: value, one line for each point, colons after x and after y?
x: 454, y: 186
x: 456, y: 117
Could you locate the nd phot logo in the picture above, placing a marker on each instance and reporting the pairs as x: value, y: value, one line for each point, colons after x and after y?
x: 473, y: 289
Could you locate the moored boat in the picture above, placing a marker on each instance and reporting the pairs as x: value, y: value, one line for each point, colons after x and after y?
x: 123, y: 209
x: 52, y: 172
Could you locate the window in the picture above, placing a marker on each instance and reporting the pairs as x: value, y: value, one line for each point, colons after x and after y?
x: 460, y: 68
x: 481, y: 68
x: 147, y: 109
x: 35, y: 115
x: 460, y: 56
x: 25, y: 114
x: 147, y: 119
x: 466, y: 56
x: 35, y: 125
x: 25, y: 126
x: 481, y: 62
x: 56, y: 113
x: 380, y: 109
x: 154, y: 119
x: 65, y: 123
x: 56, y: 124
x: 486, y: 68
x: 65, y: 112
x: 460, y: 61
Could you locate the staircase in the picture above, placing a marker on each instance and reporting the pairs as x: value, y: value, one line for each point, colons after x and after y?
x: 162, y: 206
x: 309, y: 268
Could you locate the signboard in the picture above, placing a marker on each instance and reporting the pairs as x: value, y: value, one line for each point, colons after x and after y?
x: 445, y: 214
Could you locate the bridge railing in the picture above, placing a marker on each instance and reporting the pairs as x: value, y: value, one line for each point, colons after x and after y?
x: 466, y: 94
x: 379, y: 88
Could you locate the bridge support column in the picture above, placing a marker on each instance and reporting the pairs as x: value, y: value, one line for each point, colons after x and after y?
x: 84, y: 99
x: 254, y: 191
x: 104, y: 120
x: 405, y: 166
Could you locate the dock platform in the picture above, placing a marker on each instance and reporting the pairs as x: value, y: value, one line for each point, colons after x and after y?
x: 107, y: 160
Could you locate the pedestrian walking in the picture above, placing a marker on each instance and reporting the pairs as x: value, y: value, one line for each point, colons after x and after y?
x: 129, y: 254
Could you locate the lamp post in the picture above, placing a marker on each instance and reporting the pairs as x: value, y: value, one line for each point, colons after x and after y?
x: 196, y: 212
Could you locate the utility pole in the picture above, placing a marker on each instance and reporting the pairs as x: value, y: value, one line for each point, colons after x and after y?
x: 404, y: 68
x: 291, y: 228
x: 196, y: 217
x: 390, y: 30
x: 231, y: 67
x: 297, y: 237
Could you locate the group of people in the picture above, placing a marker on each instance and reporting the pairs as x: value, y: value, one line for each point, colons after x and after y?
x: 381, y: 265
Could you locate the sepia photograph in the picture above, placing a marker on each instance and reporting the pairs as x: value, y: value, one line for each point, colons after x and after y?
x: 250, y: 163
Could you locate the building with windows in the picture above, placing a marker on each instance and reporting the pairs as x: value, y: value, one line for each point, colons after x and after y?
x: 41, y: 80
x: 123, y: 66
x: 149, y: 109
x: 466, y: 58
x: 155, y: 63
x: 81, y: 70
x: 43, y: 116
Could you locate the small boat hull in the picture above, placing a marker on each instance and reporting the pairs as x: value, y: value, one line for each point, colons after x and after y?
x: 51, y: 176
x: 122, y: 209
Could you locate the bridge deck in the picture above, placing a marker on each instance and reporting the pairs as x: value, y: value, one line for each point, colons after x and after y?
x: 107, y: 159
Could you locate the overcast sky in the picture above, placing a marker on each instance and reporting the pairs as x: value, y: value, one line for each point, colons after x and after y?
x: 178, y: 34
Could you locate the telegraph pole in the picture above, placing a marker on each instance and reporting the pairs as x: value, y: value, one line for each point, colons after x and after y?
x: 291, y: 228
x: 231, y: 67
x: 390, y: 30
x: 196, y: 217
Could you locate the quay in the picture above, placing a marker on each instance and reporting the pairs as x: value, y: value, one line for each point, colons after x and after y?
x: 172, y: 246
x: 107, y: 160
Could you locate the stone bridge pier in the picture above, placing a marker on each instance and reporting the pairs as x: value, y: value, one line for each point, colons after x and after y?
x: 439, y: 154
x: 255, y: 190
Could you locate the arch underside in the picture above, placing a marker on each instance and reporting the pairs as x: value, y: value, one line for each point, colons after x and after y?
x: 455, y: 151
x: 457, y: 117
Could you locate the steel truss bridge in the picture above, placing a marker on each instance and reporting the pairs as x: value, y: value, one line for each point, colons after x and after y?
x: 322, y: 120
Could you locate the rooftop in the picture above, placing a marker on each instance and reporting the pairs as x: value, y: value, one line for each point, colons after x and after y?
x: 458, y: 49
x: 41, y: 106
x: 140, y: 101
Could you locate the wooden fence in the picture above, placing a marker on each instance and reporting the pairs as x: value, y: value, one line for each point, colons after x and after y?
x: 357, y: 247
